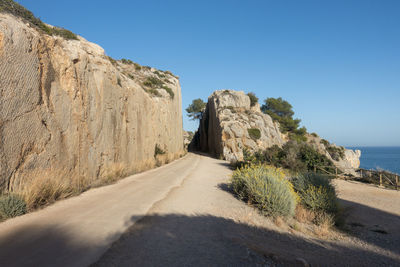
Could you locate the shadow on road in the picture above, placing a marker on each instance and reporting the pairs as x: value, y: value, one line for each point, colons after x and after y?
x: 205, y: 240
x: 372, y: 225
x: 46, y: 245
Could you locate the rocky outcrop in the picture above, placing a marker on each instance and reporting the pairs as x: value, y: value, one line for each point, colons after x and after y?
x: 65, y: 107
x: 346, y: 160
x: 230, y: 125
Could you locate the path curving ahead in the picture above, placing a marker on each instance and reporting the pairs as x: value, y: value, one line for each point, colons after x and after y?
x: 77, y: 231
x: 182, y: 214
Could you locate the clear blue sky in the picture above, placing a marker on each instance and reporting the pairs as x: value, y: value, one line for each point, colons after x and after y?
x: 337, y: 62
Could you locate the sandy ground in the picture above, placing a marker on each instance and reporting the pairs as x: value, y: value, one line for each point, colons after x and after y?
x: 200, y: 223
x: 183, y: 214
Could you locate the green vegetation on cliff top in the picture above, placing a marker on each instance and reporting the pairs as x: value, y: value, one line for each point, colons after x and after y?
x: 11, y: 7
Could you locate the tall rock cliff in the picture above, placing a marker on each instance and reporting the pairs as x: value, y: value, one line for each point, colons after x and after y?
x: 230, y: 124
x: 68, y: 109
x: 227, y: 125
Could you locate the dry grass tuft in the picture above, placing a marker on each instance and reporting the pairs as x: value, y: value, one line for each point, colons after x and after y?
x: 304, y: 215
x: 324, y: 223
x: 43, y: 187
x: 46, y: 187
x: 279, y: 222
x: 297, y: 227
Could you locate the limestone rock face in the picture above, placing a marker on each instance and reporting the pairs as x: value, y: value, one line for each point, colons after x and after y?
x: 230, y: 125
x: 348, y: 163
x: 224, y: 128
x: 66, y: 107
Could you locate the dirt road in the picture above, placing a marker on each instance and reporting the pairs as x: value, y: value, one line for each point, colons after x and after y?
x: 77, y: 231
x: 183, y: 214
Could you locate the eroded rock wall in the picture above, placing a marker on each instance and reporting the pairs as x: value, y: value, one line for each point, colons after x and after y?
x: 225, y: 131
x: 348, y: 163
x: 65, y: 107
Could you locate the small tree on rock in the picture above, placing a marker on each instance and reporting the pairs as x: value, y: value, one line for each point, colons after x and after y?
x: 196, y: 109
x: 280, y: 110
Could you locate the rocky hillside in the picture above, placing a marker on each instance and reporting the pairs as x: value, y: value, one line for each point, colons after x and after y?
x: 69, y: 110
x: 230, y: 125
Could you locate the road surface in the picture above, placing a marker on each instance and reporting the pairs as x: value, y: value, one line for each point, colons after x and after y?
x: 183, y: 214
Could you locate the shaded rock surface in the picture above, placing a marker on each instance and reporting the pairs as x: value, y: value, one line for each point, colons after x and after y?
x: 65, y: 107
x: 230, y: 124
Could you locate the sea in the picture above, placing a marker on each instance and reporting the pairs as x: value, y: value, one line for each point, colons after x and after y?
x: 377, y: 158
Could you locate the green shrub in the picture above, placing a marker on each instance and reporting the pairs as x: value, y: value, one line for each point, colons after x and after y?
x: 313, y: 159
x: 266, y: 188
x: 113, y: 61
x: 154, y: 92
x: 295, y: 156
x: 18, y: 10
x: 336, y: 153
x: 66, y: 34
x: 254, y: 133
x: 253, y: 99
x: 169, y: 91
x: 316, y: 192
x: 159, y: 74
x: 11, y: 206
x: 137, y: 66
x: 170, y: 73
x: 325, y: 142
x: 314, y: 134
x: 231, y: 108
x: 127, y: 61
x: 158, y: 150
x: 299, y: 137
x: 153, y: 82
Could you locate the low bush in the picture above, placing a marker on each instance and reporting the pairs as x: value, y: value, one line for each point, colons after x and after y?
x: 113, y: 61
x: 126, y: 61
x: 10, y: 6
x: 169, y: 91
x: 170, y: 73
x: 154, y: 92
x: 316, y: 192
x: 153, y: 82
x: 325, y: 142
x: 64, y: 33
x: 11, y: 205
x: 158, y: 151
x: 159, y: 74
x: 137, y: 66
x: 253, y: 99
x: 298, y: 157
x: 254, y: 133
x: 335, y: 152
x: 266, y: 188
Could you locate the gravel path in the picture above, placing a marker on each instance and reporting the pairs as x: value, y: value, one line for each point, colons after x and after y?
x: 200, y: 223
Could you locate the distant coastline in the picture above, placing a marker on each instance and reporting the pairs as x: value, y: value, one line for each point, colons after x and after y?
x: 380, y: 157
